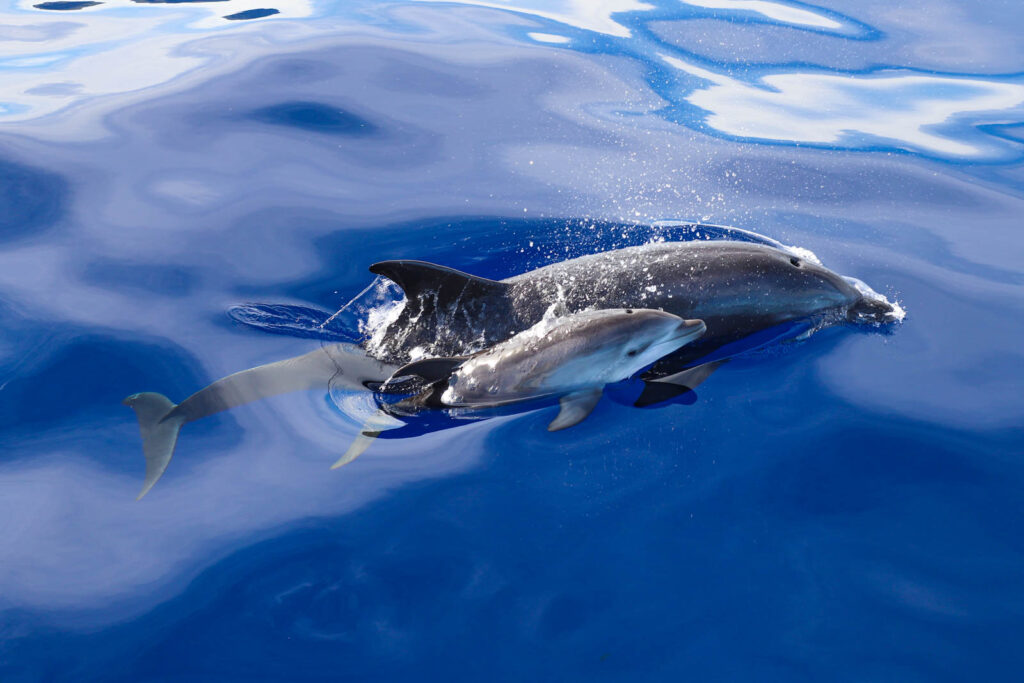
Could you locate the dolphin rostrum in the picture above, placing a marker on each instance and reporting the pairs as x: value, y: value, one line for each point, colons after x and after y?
x: 572, y: 356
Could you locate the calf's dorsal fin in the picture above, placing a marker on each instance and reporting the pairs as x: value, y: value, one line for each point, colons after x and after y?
x: 417, y: 278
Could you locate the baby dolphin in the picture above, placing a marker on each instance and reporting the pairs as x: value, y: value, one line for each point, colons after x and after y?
x: 572, y: 356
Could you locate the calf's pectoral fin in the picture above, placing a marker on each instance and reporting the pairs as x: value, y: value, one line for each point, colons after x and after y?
x: 575, y: 408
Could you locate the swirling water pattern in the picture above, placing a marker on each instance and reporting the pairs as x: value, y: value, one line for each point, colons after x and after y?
x: 847, y: 508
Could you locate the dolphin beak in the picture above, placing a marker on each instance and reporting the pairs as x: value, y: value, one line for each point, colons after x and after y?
x: 871, y: 311
x: 688, y: 330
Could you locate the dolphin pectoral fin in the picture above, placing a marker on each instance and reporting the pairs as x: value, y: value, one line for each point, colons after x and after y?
x: 159, y: 428
x: 575, y: 408
x: 364, y: 439
x: 666, y: 388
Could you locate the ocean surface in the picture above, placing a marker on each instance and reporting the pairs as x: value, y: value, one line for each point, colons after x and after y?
x: 845, y: 508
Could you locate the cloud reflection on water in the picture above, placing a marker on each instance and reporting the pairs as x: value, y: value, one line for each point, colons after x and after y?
x: 860, y: 111
x: 938, y: 115
x: 774, y: 11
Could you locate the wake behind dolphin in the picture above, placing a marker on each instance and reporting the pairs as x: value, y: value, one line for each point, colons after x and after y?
x: 736, y: 288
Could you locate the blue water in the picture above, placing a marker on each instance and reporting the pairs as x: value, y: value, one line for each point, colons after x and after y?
x: 847, y: 508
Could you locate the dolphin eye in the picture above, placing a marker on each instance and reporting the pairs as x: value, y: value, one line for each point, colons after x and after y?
x: 632, y: 352
x: 795, y: 261
x: 629, y: 311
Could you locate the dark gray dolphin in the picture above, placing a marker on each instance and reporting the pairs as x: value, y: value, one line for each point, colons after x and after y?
x: 736, y: 288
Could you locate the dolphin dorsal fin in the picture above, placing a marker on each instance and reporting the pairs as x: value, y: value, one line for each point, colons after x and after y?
x: 417, y: 278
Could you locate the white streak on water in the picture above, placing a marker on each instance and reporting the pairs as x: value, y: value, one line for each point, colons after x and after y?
x: 891, y: 109
x: 116, y: 47
x: 549, y: 38
x: 74, y: 538
x: 589, y: 15
x: 776, y: 11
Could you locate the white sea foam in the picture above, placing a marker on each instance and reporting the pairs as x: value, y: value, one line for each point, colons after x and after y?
x: 897, y: 314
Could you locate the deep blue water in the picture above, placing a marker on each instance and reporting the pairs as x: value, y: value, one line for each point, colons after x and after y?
x: 847, y: 508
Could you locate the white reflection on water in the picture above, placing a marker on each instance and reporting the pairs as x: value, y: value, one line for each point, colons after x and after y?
x: 783, y: 14
x: 549, y: 38
x: 890, y: 109
x: 589, y: 15
x: 75, y: 538
x: 56, y: 59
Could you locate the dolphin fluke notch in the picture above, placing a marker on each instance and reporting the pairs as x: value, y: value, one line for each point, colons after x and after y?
x: 159, y: 433
x: 420, y: 278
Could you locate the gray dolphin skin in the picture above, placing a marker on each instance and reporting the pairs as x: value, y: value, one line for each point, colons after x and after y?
x: 571, y: 356
x: 559, y: 355
x: 736, y: 288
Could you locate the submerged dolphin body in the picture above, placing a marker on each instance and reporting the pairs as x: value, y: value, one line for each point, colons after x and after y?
x: 737, y: 289
x: 571, y: 356
x: 160, y: 420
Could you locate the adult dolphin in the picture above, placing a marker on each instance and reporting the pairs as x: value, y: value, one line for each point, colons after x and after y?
x: 736, y: 288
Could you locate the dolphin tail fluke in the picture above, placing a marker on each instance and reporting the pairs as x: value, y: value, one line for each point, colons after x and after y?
x: 159, y: 433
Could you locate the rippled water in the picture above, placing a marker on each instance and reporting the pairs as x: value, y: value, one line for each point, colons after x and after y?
x: 845, y: 508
